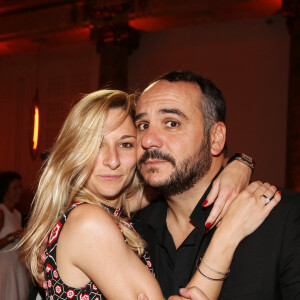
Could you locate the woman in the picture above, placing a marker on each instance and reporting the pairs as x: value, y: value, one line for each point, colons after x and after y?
x: 14, y: 283
x: 89, y: 186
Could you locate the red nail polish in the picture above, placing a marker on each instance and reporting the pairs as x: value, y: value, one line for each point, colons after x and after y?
x: 207, y: 225
x: 204, y: 203
x: 279, y: 192
x: 206, y: 231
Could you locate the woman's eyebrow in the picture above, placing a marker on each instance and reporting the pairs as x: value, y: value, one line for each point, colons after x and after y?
x: 127, y: 136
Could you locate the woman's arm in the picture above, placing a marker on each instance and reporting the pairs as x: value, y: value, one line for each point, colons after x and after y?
x: 243, y: 217
x: 231, y: 181
x: 91, y: 247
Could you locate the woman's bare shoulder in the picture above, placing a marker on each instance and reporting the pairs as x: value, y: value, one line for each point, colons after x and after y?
x: 91, y: 221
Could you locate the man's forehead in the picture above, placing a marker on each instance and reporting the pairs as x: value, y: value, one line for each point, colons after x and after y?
x: 169, y: 94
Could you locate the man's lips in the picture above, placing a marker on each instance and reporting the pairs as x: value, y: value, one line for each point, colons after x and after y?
x: 154, y: 161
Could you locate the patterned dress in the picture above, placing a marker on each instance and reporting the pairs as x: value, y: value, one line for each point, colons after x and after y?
x: 57, y: 289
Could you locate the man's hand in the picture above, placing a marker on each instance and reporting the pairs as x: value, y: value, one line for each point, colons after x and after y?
x: 41, y: 261
x: 190, y: 293
x: 142, y: 296
x: 231, y: 181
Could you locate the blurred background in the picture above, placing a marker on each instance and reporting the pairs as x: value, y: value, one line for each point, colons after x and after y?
x: 54, y: 51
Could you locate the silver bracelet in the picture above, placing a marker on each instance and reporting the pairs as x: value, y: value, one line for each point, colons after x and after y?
x: 200, y: 260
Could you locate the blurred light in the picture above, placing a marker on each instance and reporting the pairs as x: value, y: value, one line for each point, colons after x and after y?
x: 36, y: 120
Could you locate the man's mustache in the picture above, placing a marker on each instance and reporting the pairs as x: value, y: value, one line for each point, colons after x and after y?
x: 155, y: 154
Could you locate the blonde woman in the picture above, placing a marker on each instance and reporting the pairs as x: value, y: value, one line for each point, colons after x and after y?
x: 83, y: 201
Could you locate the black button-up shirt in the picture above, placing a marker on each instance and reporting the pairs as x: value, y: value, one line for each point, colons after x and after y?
x: 173, y: 267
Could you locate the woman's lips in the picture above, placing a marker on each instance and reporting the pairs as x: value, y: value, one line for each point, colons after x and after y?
x: 109, y: 177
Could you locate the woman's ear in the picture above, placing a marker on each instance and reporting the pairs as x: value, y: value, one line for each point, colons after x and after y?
x: 217, y: 138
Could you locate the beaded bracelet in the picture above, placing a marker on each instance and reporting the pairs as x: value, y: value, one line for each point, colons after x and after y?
x: 200, y: 260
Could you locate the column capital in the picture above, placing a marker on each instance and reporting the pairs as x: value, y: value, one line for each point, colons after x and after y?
x: 121, y: 35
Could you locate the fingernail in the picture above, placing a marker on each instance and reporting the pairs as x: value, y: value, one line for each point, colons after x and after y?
x: 279, y: 192
x: 183, y: 290
x: 207, y: 225
x: 206, y: 231
x: 141, y: 297
x: 204, y: 203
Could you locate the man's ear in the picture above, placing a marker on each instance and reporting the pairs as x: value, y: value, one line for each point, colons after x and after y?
x: 217, y: 138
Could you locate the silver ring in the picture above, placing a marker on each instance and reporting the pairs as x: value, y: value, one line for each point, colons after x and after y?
x: 267, y: 200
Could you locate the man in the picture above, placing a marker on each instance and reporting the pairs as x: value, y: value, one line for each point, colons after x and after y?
x: 181, y: 135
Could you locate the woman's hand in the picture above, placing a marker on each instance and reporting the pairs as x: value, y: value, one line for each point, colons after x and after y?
x: 41, y: 261
x: 249, y: 210
x: 232, y: 180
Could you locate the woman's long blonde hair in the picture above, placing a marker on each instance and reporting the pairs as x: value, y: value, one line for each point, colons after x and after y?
x: 68, y: 167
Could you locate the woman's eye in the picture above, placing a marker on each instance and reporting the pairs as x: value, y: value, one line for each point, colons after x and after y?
x: 142, y: 126
x: 126, y: 145
x: 172, y: 124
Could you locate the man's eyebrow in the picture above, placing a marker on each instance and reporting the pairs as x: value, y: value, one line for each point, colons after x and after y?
x: 173, y: 111
x: 139, y: 116
x: 164, y: 111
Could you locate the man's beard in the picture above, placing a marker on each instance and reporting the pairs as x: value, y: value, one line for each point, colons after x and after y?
x: 186, y: 175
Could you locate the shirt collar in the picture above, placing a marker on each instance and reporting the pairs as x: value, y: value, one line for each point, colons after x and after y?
x: 157, y: 218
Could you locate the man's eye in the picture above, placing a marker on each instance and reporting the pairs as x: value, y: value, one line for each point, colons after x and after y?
x: 143, y: 126
x: 126, y: 145
x: 172, y: 124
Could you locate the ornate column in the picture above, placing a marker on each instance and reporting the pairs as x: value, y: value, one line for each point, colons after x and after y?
x: 291, y: 9
x: 115, y: 40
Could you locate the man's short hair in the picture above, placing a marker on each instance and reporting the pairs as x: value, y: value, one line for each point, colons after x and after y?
x: 213, y: 105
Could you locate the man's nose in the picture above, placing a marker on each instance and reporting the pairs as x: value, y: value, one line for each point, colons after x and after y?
x: 151, y: 138
x: 111, y: 158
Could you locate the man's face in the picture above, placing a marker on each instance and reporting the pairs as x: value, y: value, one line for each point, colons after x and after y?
x: 172, y: 152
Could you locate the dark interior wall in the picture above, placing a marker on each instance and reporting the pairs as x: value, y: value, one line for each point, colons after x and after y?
x: 65, y: 74
x: 248, y: 60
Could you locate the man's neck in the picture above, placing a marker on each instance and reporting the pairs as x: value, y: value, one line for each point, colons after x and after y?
x: 181, y: 206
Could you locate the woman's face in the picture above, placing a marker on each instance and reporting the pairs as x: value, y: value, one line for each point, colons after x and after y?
x: 115, y: 165
x: 14, y: 191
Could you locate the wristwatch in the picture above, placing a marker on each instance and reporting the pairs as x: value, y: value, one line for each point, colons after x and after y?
x: 244, y: 158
